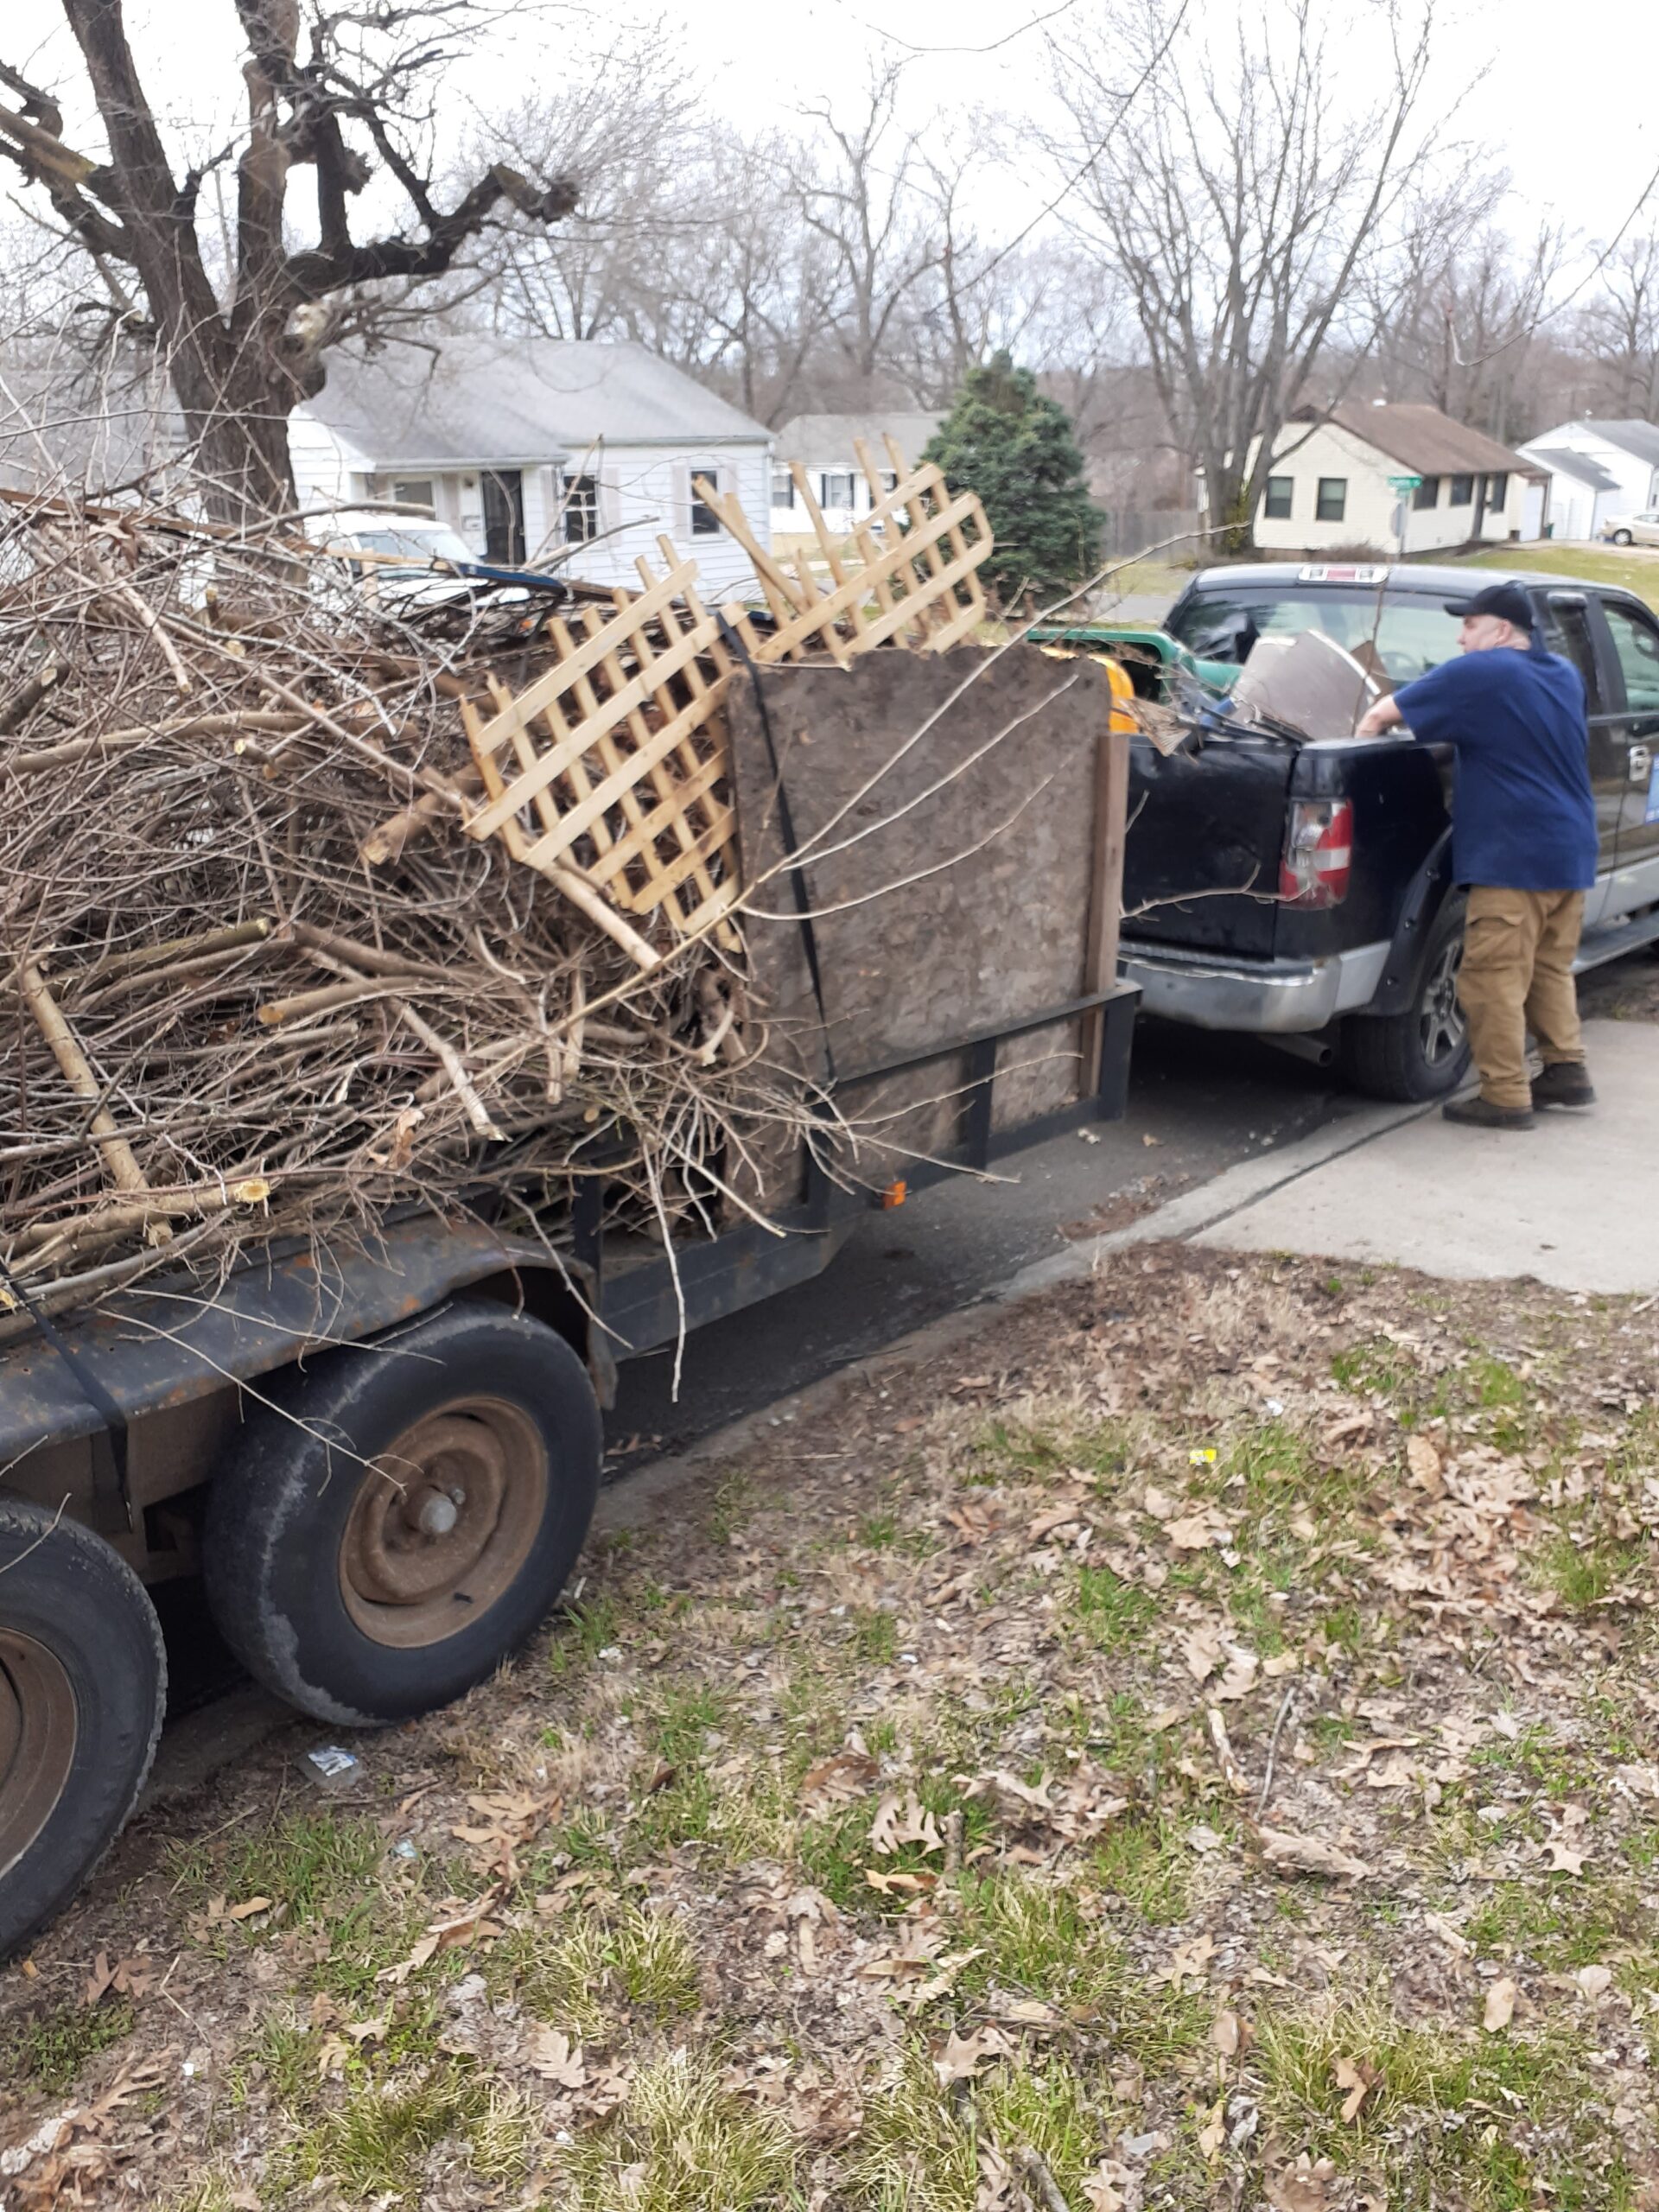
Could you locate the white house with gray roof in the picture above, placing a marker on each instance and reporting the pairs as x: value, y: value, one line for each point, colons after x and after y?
x: 826, y: 446
x: 1598, y: 469
x: 578, y: 453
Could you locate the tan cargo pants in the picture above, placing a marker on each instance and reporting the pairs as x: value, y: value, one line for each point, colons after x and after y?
x: 1518, y: 949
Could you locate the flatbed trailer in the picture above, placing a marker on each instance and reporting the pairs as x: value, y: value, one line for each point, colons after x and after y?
x: 381, y: 1458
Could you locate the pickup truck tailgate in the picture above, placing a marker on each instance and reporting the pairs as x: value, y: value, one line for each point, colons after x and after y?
x: 1206, y: 823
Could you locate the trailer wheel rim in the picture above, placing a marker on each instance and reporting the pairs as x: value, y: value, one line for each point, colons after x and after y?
x: 442, y: 1525
x: 1443, y: 1026
x: 40, y: 1728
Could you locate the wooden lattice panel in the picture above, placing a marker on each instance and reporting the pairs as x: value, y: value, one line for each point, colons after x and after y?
x: 614, y: 762
x: 916, y: 584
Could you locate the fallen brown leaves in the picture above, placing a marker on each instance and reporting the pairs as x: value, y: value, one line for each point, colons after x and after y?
x: 1016, y: 1841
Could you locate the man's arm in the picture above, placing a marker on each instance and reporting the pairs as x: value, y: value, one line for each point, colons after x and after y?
x: 1385, y: 714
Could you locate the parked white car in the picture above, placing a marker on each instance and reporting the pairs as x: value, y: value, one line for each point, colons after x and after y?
x: 402, y: 561
x: 1632, y: 529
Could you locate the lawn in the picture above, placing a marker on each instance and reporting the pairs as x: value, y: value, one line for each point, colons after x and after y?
x: 1630, y: 566
x: 1191, y: 1744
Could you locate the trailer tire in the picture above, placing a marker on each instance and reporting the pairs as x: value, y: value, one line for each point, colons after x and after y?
x: 83, y: 1687
x: 401, y: 1516
x: 1422, y: 1053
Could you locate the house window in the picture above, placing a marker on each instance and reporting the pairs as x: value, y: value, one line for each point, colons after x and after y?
x: 1498, y: 491
x: 1463, y: 491
x: 1427, y: 495
x: 705, y: 523
x: 835, y: 488
x: 1332, y: 504
x: 888, y: 480
x: 1276, y: 507
x: 783, y: 488
x: 414, y: 491
x: 581, y: 509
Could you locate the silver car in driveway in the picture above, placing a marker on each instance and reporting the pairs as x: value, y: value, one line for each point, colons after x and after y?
x: 1632, y: 529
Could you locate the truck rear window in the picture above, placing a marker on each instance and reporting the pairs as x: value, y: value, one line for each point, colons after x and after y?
x: 1410, y: 634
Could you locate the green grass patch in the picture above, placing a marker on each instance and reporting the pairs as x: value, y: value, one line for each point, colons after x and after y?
x: 1562, y: 1920
x: 1112, y: 1613
x: 1585, y: 1575
x: 1622, y: 565
x: 598, y: 1956
x: 580, y: 1634
x: 913, y: 2153
x: 1146, y: 1862
x: 684, y: 2143
x: 684, y: 1717
x: 48, y: 2052
x: 1453, y: 2113
x: 375, y: 2140
x: 1379, y: 1369
x: 874, y: 1636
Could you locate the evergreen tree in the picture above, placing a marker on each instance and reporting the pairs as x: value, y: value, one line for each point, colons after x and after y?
x: 1003, y: 440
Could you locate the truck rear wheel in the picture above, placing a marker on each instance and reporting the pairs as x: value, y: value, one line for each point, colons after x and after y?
x: 1423, y: 1052
x: 83, y: 1683
x: 402, y: 1517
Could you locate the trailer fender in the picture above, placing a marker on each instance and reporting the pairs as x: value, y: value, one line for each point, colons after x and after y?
x: 167, y: 1345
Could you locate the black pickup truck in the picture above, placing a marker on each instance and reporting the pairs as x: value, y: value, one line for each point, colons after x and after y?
x: 1303, y: 891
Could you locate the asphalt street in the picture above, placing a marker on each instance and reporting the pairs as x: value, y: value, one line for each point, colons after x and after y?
x: 1197, y: 1103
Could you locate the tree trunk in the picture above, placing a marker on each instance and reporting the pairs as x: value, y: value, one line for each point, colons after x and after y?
x: 235, y: 387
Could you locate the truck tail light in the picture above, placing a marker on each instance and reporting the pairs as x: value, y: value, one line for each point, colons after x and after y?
x: 1318, y: 852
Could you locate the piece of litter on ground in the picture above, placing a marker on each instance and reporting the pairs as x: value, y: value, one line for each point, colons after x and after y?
x: 333, y: 1768
x: 1500, y: 2006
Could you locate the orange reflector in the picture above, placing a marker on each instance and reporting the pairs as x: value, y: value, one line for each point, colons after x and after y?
x: 894, y: 1195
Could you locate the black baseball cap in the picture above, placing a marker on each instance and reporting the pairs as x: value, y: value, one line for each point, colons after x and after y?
x: 1508, y: 601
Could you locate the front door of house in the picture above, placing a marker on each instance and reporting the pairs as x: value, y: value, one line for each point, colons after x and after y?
x: 504, y: 516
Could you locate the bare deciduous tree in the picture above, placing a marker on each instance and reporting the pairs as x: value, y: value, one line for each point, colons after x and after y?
x: 1619, y: 329
x: 856, y: 184
x: 1241, y: 200
x: 353, y: 108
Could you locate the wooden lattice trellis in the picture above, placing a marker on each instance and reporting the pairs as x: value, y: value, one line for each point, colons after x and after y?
x: 610, y: 772
x: 920, y: 552
x: 620, y: 756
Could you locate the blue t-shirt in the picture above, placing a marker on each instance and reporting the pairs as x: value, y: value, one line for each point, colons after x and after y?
x: 1525, y: 817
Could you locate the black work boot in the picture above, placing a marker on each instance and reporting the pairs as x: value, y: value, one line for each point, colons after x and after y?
x: 1479, y: 1113
x: 1564, y: 1083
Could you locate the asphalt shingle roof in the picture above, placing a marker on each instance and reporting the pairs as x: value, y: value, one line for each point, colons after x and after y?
x: 1428, y: 442
x: 1633, y: 435
x: 1561, y: 461
x: 828, y: 441
x: 497, y: 401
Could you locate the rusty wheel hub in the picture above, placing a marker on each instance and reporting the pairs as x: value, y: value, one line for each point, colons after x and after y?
x: 443, y: 1524
x: 39, y: 1729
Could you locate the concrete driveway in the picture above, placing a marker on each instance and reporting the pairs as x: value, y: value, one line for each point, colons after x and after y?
x: 1574, y: 1201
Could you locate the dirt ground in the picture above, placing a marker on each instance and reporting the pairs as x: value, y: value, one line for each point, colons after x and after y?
x: 1196, y: 1744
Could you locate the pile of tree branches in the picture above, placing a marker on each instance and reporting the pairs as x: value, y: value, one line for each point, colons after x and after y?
x: 257, y: 981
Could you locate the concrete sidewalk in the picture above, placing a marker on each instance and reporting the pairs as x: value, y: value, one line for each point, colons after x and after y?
x: 1574, y: 1201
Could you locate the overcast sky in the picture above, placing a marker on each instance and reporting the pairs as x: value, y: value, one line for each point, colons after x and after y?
x: 1568, y: 105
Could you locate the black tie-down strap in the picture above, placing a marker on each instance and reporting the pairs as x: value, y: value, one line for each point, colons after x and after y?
x: 801, y: 895
x: 110, y: 1484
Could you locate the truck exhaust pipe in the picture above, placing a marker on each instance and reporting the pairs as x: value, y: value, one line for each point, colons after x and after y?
x: 1319, y: 1050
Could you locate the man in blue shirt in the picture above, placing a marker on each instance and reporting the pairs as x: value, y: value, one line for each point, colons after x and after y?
x: 1523, y: 840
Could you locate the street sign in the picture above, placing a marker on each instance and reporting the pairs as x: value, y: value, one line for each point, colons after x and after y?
x: 1404, y: 483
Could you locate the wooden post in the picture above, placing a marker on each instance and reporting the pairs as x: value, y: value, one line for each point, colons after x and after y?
x: 1106, y: 886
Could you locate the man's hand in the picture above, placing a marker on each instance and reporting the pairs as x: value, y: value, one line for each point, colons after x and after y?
x: 1383, y: 715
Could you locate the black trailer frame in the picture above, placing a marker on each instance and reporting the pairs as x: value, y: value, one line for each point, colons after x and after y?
x: 158, y: 1351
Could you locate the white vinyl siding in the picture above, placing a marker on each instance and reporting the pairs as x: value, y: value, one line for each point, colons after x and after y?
x: 1332, y: 454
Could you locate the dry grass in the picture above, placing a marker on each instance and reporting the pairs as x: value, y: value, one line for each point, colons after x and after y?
x: 873, y: 1839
